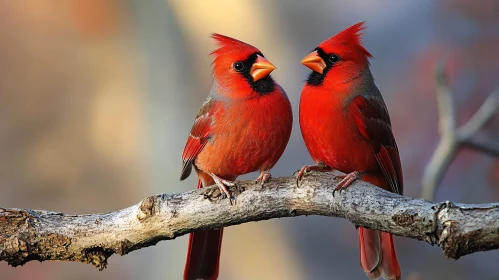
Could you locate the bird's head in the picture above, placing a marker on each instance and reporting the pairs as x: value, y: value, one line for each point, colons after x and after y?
x: 338, y: 59
x: 240, y: 69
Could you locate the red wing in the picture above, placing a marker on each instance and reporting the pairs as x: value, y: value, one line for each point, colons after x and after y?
x: 372, y: 120
x: 199, y: 136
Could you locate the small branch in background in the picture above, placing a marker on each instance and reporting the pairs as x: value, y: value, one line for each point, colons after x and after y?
x: 27, y: 235
x: 453, y: 138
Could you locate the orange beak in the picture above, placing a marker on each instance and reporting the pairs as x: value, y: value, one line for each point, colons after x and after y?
x: 314, y: 62
x: 261, y: 68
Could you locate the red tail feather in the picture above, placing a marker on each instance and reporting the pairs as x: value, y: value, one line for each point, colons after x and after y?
x: 377, y: 254
x: 203, y: 254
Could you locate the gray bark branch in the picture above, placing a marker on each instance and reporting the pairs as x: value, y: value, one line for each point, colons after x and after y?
x: 27, y: 235
x: 453, y: 138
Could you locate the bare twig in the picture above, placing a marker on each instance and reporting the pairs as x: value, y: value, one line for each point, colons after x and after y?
x: 486, y: 146
x: 27, y: 235
x: 452, y: 138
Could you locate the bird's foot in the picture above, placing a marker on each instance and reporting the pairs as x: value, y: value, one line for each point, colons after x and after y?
x: 346, y: 180
x: 263, y: 178
x: 307, y: 168
x: 222, y: 186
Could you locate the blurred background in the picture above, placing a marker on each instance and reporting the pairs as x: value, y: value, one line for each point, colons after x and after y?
x: 98, y: 97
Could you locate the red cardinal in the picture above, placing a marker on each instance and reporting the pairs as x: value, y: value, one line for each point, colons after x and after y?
x: 346, y: 127
x: 244, y: 126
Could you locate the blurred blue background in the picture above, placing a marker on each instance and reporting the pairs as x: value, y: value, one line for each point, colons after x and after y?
x: 97, y: 98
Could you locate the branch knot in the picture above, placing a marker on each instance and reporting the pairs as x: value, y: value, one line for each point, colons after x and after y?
x: 147, y: 208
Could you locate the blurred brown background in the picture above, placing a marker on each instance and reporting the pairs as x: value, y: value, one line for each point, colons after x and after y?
x: 97, y: 98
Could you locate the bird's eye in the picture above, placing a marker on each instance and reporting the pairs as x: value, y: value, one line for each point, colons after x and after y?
x: 238, y: 66
x: 334, y: 58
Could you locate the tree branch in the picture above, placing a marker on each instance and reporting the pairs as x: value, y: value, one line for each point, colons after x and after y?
x: 27, y: 235
x: 452, y: 138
